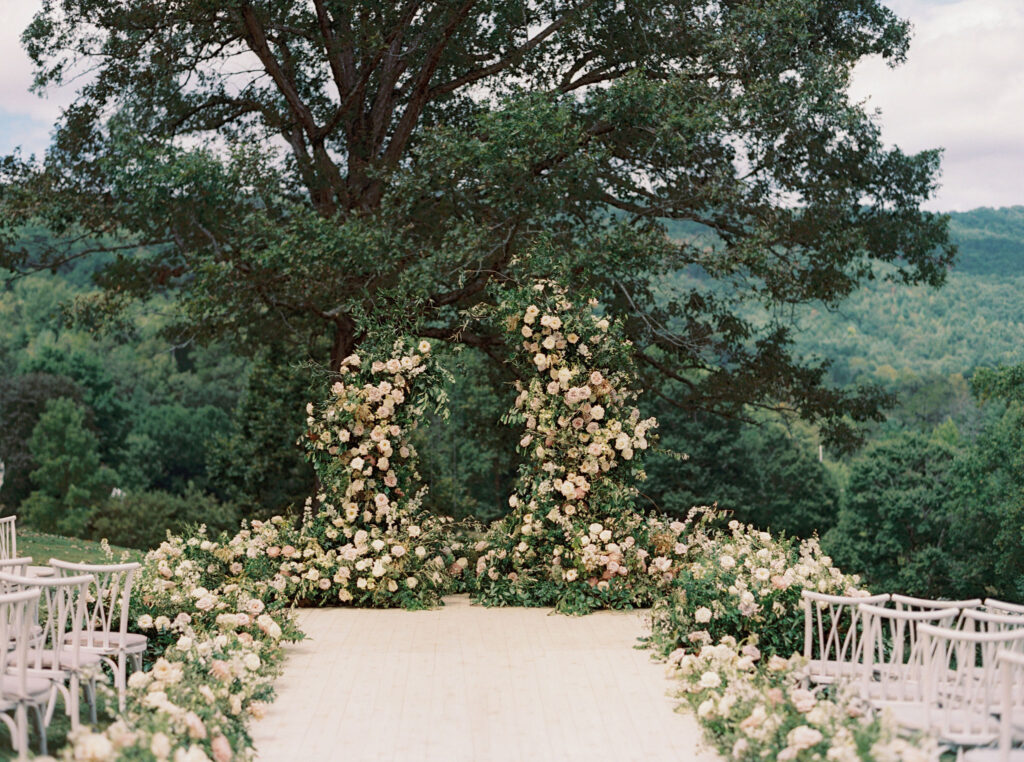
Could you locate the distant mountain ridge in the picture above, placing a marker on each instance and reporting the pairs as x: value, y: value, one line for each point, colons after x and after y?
x: 991, y: 241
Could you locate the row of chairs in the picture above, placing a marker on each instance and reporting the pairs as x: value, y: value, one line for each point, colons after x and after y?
x: 57, y: 633
x: 951, y: 669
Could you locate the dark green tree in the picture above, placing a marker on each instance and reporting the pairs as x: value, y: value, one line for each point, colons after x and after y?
x: 309, y: 171
x: 71, y: 483
x: 988, y: 535
x: 168, y: 447
x: 255, y: 462
x: 761, y: 473
x: 895, y: 525
x: 104, y: 398
x: 23, y: 400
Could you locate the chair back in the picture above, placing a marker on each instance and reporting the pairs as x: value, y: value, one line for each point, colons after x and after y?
x: 975, y: 620
x: 893, y: 659
x: 832, y: 633
x: 997, y: 606
x: 15, y: 626
x: 8, y: 538
x: 15, y: 565
x: 961, y: 687
x: 109, y: 595
x: 909, y: 603
x: 63, y: 601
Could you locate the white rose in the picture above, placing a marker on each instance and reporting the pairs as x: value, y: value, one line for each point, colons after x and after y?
x: 160, y: 746
x: 710, y: 679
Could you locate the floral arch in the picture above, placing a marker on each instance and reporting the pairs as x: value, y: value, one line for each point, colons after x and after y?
x: 573, y: 538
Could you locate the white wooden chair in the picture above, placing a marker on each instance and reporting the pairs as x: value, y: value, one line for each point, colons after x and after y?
x: 8, y: 538
x: 19, y: 691
x: 961, y: 685
x: 997, y: 606
x: 57, y: 653
x: 909, y: 603
x: 832, y: 634
x: 892, y: 662
x: 1011, y: 712
x: 105, y: 627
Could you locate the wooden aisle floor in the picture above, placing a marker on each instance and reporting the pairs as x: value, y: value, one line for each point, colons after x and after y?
x: 465, y: 683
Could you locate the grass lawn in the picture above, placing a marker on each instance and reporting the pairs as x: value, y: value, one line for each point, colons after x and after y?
x: 42, y: 547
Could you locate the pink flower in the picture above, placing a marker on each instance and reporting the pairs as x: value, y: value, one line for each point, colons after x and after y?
x: 273, y: 551
x: 221, y: 749
x: 196, y: 728
x: 220, y: 669
x: 287, y: 551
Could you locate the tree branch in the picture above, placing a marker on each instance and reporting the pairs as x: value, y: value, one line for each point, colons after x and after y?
x: 511, y: 58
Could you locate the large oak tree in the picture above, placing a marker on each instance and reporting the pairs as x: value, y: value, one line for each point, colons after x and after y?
x: 307, y: 172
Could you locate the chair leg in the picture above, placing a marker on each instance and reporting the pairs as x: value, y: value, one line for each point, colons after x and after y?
x: 73, y: 708
x: 41, y: 724
x: 90, y: 696
x: 21, y: 722
x: 121, y: 680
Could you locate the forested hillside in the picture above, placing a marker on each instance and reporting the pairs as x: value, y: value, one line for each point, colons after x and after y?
x: 990, y: 241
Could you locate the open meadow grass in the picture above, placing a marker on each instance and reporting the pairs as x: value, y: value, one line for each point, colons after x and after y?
x: 41, y: 547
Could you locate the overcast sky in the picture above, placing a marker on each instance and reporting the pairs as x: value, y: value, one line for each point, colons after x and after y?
x: 962, y: 88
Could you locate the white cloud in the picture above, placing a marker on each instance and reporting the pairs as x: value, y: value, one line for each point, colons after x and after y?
x: 962, y: 89
x: 16, y: 68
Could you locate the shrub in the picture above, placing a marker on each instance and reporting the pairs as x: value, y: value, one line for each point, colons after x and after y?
x: 143, y: 519
x: 742, y: 583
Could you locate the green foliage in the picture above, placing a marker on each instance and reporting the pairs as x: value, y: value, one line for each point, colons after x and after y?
x: 70, y: 482
x: 100, y: 391
x: 143, y: 519
x: 468, y: 462
x: 991, y: 241
x: 895, y: 526
x: 1004, y: 383
x: 168, y: 447
x: 255, y: 462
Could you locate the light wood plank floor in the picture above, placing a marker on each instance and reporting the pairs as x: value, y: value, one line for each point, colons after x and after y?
x: 470, y: 684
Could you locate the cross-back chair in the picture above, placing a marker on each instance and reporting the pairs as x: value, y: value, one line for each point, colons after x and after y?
x: 57, y: 652
x: 19, y: 691
x: 832, y: 634
x: 893, y: 659
x: 105, y: 626
x: 961, y: 683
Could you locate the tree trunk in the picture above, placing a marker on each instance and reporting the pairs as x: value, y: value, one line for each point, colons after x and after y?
x: 345, y: 341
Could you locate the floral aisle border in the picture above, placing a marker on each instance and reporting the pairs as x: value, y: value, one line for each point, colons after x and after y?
x: 216, y: 613
x: 731, y: 631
